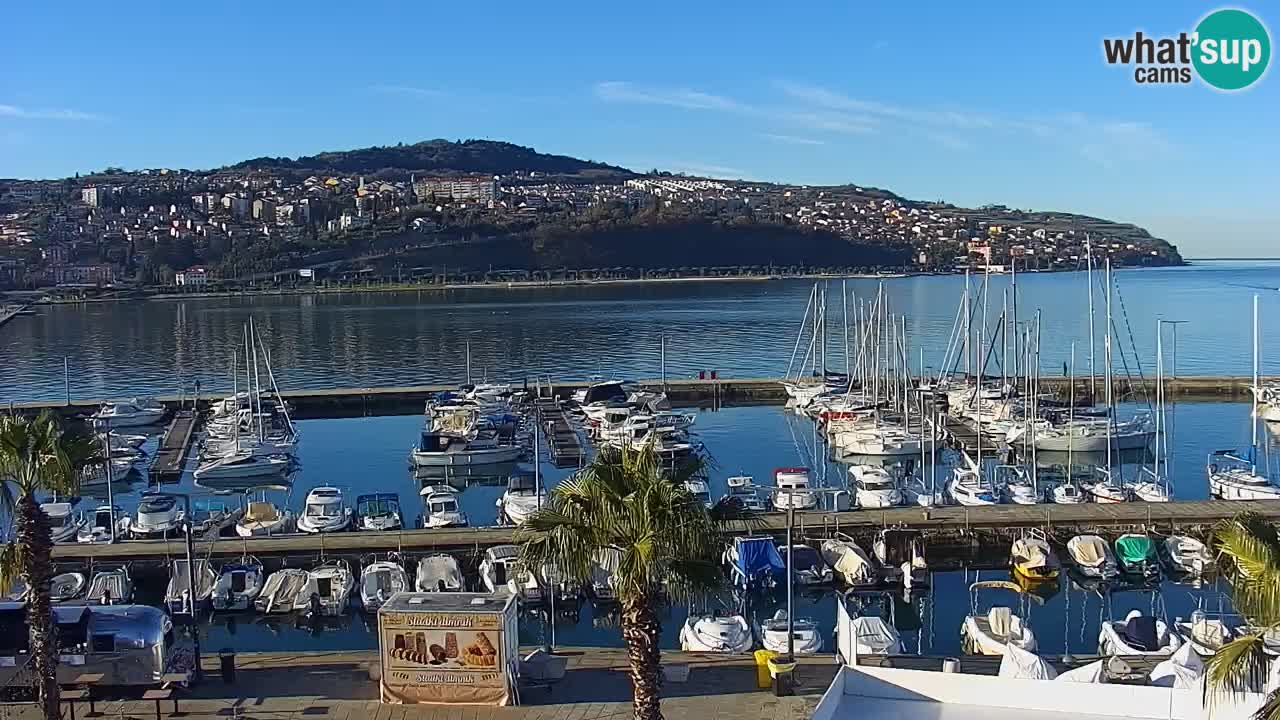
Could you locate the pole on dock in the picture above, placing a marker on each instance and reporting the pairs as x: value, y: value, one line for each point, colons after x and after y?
x: 66, y: 378
x: 106, y: 444
x: 662, y: 359
x: 191, y: 583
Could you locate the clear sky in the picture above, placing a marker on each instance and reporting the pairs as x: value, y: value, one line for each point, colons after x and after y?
x: 966, y: 102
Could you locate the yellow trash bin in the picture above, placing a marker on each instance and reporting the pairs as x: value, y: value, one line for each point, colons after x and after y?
x: 764, y: 680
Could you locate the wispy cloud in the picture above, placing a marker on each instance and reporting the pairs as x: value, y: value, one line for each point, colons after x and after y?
x: 23, y: 113
x: 408, y: 90
x: 791, y: 139
x: 618, y: 91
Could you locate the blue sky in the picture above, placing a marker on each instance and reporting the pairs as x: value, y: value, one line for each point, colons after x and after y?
x: 966, y: 102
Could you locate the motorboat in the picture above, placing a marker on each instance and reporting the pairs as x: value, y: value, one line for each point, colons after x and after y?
x: 810, y: 568
x: 874, y: 486
x: 501, y: 571
x: 1186, y: 555
x: 604, y: 566
x: 240, y: 466
x: 865, y: 626
x: 378, y: 511
x: 64, y: 524
x: 524, y: 495
x: 805, y: 637
x: 1105, y: 489
x: 440, y: 509
x: 989, y: 632
x: 130, y: 413
x: 324, y: 511
x: 1151, y: 487
x: 110, y: 587
x: 158, y: 515
x: 379, y: 581
x: 884, y: 441
x: 281, y: 590
x: 1137, y: 634
x: 327, y: 590
x: 439, y: 573
x: 1087, y: 435
x: 119, y: 441
x: 1091, y: 556
x: 1232, y: 477
x: 180, y: 596
x: 716, y: 634
x: 437, y: 449
x: 264, y: 518
x: 699, y: 489
x: 238, y: 584
x: 754, y: 563
x: 969, y: 489
x: 1136, y: 555
x: 1033, y: 559
x: 66, y: 586
x: 900, y: 554
x: 793, y: 491
x: 600, y: 392
x: 850, y: 563
x: 742, y: 488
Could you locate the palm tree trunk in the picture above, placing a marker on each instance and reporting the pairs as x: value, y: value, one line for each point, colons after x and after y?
x: 34, y: 534
x: 640, y: 631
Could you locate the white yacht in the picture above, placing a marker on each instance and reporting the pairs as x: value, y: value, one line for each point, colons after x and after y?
x: 805, y: 636
x: 699, y: 489
x: 378, y: 511
x: 850, y: 563
x: 379, y: 581
x: 1232, y: 477
x: 500, y: 570
x: 238, y: 584
x: 64, y: 524
x: 324, y: 511
x: 523, y: 496
x: 1088, y: 435
x: 130, y: 413
x: 989, y: 632
x: 264, y: 518
x: 1092, y: 557
x: 447, y: 449
x: 968, y: 488
x: 1151, y: 487
x: 1138, y: 634
x: 241, y: 465
x: 439, y: 573
x: 874, y: 486
x: 1186, y: 555
x: 886, y: 440
x: 1105, y: 489
x: 327, y: 590
x: 742, y: 488
x: 1068, y: 493
x: 793, y: 489
x: 97, y: 528
x: 158, y: 516
x: 716, y: 634
x: 440, y: 508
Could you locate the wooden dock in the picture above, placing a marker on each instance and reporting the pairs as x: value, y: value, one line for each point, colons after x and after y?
x: 946, y: 524
x: 171, y: 457
x: 563, y: 439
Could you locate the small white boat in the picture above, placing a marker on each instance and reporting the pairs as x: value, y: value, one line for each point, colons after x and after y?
x: 264, y: 518
x: 742, y: 488
x: 439, y: 573
x: 130, y: 413
x: 717, y: 634
x: 500, y: 570
x: 1092, y: 557
x: 64, y: 524
x: 1137, y: 634
x: 1186, y: 555
x: 1107, y: 490
x: 379, y: 581
x: 851, y: 565
x: 604, y: 564
x: 1151, y: 487
x: 699, y: 490
x: 987, y: 633
x: 180, y: 596
x: 110, y: 587
x: 522, y: 497
x: 158, y: 516
x: 969, y: 489
x: 874, y: 486
x: 1016, y: 486
x: 440, y: 509
x: 378, y: 511
x: 241, y: 465
x: 238, y: 585
x: 327, y: 590
x: 806, y: 639
x: 324, y: 511
x: 1068, y: 494
x: 66, y: 586
x: 440, y: 449
x: 281, y: 590
x: 793, y: 489
x: 1232, y: 477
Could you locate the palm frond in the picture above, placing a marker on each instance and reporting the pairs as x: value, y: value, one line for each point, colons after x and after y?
x: 12, y: 562
x: 1270, y: 709
x: 1248, y: 552
x: 1238, y: 667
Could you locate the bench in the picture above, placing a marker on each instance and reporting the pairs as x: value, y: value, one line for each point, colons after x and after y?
x: 73, y: 695
x: 159, y: 695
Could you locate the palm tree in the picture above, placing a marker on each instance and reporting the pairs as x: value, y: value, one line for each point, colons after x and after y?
x: 1248, y: 554
x: 37, y: 455
x: 670, y: 546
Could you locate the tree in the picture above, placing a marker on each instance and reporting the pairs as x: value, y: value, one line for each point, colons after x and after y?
x: 669, y: 543
x: 37, y: 455
x: 1248, y: 554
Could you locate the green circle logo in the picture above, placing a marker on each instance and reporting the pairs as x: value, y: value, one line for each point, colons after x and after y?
x: 1232, y: 49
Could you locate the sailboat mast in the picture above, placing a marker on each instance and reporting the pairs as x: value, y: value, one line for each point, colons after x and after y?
x: 1093, y: 371
x: 968, y: 367
x: 824, y: 330
x: 1159, y: 393
x: 1013, y: 292
x: 844, y: 302
x: 257, y: 383
x: 235, y: 392
x: 1253, y: 416
x: 1106, y: 359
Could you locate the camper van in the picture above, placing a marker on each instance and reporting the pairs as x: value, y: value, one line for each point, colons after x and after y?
x: 127, y: 644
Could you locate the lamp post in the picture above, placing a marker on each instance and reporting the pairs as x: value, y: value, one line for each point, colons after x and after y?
x: 191, y: 585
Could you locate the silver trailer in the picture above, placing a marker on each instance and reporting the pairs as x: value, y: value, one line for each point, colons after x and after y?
x: 127, y: 644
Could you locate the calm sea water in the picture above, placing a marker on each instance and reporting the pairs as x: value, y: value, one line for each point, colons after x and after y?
x: 741, y: 329
x: 370, y: 454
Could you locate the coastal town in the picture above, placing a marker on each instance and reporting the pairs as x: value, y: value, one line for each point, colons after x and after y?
x: 252, y: 224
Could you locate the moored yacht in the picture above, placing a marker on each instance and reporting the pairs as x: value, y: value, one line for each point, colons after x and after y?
x: 716, y: 634
x: 324, y: 511
x: 97, y: 528
x: 264, y: 518
x: 130, y: 413
x: 439, y: 573
x: 379, y: 581
x: 523, y: 496
x: 238, y: 584
x: 158, y: 516
x: 437, y: 449
x: 64, y: 524
x: 793, y: 489
x: 327, y: 590
x: 1232, y: 477
x: 968, y: 488
x: 874, y: 486
x: 378, y: 511
x: 440, y: 509
x: 241, y: 465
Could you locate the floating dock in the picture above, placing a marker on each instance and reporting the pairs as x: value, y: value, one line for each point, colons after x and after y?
x: 945, y: 526
x: 171, y: 457
x: 563, y: 439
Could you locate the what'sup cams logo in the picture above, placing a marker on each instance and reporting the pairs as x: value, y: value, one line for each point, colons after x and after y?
x: 1229, y: 50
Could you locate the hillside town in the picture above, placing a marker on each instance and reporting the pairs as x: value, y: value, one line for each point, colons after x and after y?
x: 197, y: 229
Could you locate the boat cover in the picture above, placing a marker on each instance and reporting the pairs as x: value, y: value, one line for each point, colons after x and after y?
x: 1140, y: 632
x: 1134, y: 548
x: 1087, y: 550
x: 1181, y: 671
x: 1032, y: 553
x: 873, y: 636
x: 1018, y: 663
x: 1094, y: 672
x: 261, y: 512
x: 848, y: 561
x: 758, y: 557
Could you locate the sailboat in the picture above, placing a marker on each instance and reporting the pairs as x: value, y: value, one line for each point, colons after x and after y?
x: 1234, y: 476
x: 1154, y: 485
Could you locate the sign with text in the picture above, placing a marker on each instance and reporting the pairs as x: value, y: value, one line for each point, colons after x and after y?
x: 442, y: 658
